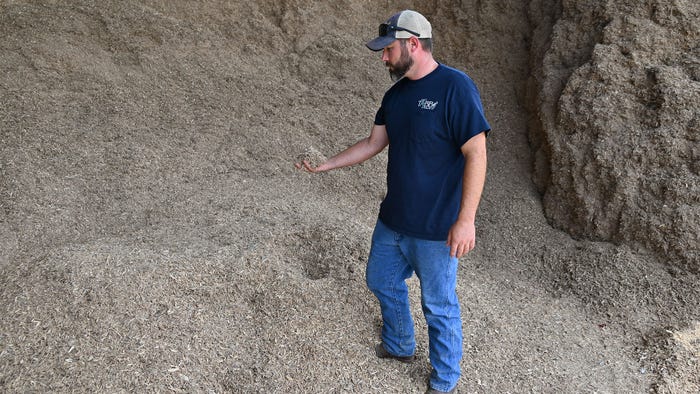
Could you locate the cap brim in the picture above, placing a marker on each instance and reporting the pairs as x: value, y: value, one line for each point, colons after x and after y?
x: 380, y: 43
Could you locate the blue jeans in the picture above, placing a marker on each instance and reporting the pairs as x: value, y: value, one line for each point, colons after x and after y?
x: 394, y: 258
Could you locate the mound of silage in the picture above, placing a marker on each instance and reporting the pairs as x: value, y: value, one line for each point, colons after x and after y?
x: 155, y: 236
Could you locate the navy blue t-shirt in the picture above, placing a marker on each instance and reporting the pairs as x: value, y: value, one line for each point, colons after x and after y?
x: 428, y: 120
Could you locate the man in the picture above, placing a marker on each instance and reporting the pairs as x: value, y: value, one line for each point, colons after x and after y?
x: 433, y: 122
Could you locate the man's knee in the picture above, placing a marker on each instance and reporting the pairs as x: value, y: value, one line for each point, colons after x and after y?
x: 374, y: 280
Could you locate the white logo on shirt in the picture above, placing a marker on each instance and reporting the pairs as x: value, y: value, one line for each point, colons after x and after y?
x: 427, y: 104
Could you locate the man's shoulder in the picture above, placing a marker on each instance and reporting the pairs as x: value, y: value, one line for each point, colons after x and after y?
x: 455, y: 74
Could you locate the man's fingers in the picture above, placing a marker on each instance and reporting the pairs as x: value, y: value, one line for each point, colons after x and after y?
x: 461, y: 249
x: 468, y: 247
x: 309, y: 167
x: 304, y: 164
x: 456, y: 250
x: 453, y: 251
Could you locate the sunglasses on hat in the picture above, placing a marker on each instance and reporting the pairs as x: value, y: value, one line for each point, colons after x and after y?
x: 385, y: 28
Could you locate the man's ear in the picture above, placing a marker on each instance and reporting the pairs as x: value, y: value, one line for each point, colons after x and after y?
x: 413, y: 43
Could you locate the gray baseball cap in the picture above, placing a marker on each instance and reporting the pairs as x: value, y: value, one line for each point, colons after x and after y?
x: 403, y: 24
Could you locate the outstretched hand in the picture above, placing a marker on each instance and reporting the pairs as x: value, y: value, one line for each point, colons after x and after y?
x: 305, y: 165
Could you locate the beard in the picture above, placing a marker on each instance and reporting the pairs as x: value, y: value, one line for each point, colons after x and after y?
x: 401, y: 67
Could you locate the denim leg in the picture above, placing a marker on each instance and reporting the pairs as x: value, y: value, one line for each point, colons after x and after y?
x: 437, y: 272
x: 387, y: 271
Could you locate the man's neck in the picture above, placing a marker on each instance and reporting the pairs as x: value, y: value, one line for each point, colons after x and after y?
x: 422, y: 67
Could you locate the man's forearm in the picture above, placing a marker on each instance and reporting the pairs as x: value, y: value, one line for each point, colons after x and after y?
x: 472, y: 183
x: 357, y: 153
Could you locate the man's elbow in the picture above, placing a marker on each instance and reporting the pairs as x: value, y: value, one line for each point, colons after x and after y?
x: 475, y: 147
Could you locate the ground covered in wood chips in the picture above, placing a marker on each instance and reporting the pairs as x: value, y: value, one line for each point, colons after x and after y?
x: 156, y: 237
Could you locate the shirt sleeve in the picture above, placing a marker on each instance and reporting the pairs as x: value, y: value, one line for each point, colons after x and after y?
x: 466, y: 116
x: 379, y: 118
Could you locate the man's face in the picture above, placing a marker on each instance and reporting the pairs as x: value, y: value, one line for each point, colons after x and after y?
x: 397, y: 59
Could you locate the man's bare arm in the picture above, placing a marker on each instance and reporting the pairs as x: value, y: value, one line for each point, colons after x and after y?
x: 462, y: 236
x: 355, y: 154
